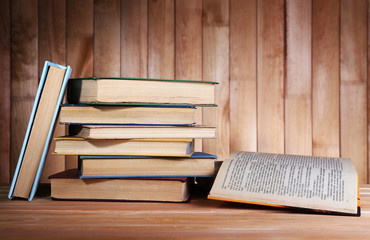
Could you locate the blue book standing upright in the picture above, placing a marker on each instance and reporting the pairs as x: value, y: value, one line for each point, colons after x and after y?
x: 28, y: 180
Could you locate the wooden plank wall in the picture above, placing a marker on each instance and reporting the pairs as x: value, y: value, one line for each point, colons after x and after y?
x: 293, y: 74
x: 5, y: 98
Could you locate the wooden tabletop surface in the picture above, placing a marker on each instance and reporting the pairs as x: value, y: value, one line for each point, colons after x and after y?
x: 44, y: 218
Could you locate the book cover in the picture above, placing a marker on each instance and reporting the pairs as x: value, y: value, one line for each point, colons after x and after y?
x: 67, y: 185
x: 198, y: 164
x: 25, y: 180
x: 70, y: 145
x: 193, y: 155
x: 102, y: 90
x: 141, y: 131
x: 110, y: 114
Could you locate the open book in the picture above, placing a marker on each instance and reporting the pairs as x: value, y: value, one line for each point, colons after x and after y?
x: 317, y: 183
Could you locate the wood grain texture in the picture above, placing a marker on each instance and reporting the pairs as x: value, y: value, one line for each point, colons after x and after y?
x: 216, y: 68
x: 5, y: 91
x: 325, y: 78
x: 134, y: 38
x: 161, y: 39
x: 368, y: 90
x: 353, y: 84
x: 80, y: 45
x: 52, y: 47
x: 24, y: 68
x: 243, y: 75
x: 80, y: 37
x: 107, y: 18
x: 51, y: 32
x: 270, y: 71
x: 188, y: 47
x: 188, y: 40
x: 198, y: 219
x: 298, y: 93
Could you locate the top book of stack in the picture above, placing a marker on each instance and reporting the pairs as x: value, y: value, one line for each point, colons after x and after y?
x: 141, y: 91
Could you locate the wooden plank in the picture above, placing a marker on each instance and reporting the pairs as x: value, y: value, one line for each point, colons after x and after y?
x: 161, y: 39
x: 134, y: 38
x: 216, y: 68
x: 189, y: 40
x: 353, y: 84
x: 368, y: 91
x: 52, y: 32
x: 325, y: 78
x: 189, y: 47
x: 80, y: 37
x: 80, y: 45
x: 5, y: 91
x: 24, y: 68
x: 199, y: 219
x: 107, y: 17
x: 298, y: 116
x: 270, y: 76
x: 52, y: 47
x: 243, y: 75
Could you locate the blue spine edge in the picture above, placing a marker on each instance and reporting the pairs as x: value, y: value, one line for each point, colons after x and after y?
x: 194, y: 155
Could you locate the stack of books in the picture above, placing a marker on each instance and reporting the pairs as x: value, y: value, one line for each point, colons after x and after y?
x: 134, y: 139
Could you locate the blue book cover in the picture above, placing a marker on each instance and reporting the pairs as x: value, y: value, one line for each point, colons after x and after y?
x: 67, y: 74
x: 129, y: 104
x: 195, y: 155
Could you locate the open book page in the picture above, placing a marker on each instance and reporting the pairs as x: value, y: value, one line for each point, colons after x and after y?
x: 329, y: 184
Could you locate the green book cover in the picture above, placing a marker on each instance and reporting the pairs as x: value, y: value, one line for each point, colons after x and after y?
x: 142, y: 79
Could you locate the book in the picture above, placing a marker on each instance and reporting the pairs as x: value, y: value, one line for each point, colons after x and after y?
x: 141, y: 90
x: 320, y: 184
x: 40, y: 129
x: 126, y: 131
x: 69, y: 145
x: 67, y: 185
x: 197, y: 165
x: 134, y: 115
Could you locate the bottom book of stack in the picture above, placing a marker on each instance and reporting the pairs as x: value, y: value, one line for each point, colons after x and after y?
x: 132, y: 178
x: 68, y: 185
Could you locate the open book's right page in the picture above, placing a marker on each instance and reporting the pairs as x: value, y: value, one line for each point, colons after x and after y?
x: 320, y: 183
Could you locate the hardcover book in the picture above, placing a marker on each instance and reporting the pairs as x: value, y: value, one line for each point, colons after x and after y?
x: 40, y: 129
x: 197, y: 165
x: 135, y: 131
x: 320, y: 184
x: 141, y: 91
x: 137, y: 147
x: 134, y: 115
x: 67, y: 185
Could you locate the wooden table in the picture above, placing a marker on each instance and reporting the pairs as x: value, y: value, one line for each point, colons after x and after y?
x: 201, y: 218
